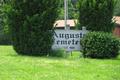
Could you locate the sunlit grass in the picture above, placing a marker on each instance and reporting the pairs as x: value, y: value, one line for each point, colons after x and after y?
x: 17, y: 67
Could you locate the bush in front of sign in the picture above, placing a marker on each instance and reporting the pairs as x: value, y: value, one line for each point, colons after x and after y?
x: 96, y: 15
x: 57, y: 52
x: 100, y: 45
x: 29, y: 23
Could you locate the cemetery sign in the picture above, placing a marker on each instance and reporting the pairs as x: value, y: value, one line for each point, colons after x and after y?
x: 69, y: 39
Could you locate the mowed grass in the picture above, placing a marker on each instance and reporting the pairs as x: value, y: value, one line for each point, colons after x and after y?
x: 17, y: 67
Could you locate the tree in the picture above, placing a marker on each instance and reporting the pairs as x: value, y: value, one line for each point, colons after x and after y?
x: 74, y: 2
x: 29, y: 23
x: 96, y: 15
x: 71, y: 10
x: 4, y: 38
x: 117, y: 9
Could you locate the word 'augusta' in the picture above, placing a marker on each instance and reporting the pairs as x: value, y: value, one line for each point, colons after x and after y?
x: 69, y: 35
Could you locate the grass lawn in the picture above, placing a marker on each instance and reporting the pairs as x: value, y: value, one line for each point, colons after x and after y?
x: 17, y: 67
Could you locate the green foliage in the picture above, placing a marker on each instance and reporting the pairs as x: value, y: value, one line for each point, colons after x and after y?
x: 29, y: 23
x: 2, y: 16
x: 4, y: 38
x: 100, y: 45
x: 62, y: 15
x: 71, y: 10
x: 58, y: 52
x: 117, y: 9
x: 96, y: 15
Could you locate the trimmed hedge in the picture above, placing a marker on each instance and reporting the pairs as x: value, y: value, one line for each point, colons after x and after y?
x: 29, y: 23
x: 100, y: 45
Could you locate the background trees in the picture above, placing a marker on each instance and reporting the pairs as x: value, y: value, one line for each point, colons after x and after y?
x: 4, y: 38
x: 96, y: 15
x: 117, y: 9
x: 73, y: 10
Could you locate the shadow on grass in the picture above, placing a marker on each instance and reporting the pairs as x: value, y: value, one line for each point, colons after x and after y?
x: 45, y: 57
x: 59, y: 58
x: 48, y: 58
x: 117, y: 58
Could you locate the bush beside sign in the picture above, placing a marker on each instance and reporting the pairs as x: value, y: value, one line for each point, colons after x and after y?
x: 69, y: 39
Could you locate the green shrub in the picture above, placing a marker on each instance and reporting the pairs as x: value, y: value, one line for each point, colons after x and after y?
x: 100, y: 45
x: 96, y: 15
x: 58, y: 52
x: 29, y: 23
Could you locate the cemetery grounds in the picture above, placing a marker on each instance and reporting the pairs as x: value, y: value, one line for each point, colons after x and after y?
x: 18, y: 67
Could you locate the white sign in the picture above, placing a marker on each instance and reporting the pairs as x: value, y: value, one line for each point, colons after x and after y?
x: 69, y: 39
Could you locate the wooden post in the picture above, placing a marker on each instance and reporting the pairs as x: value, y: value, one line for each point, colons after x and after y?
x: 83, y: 56
x: 71, y: 53
x: 67, y: 54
